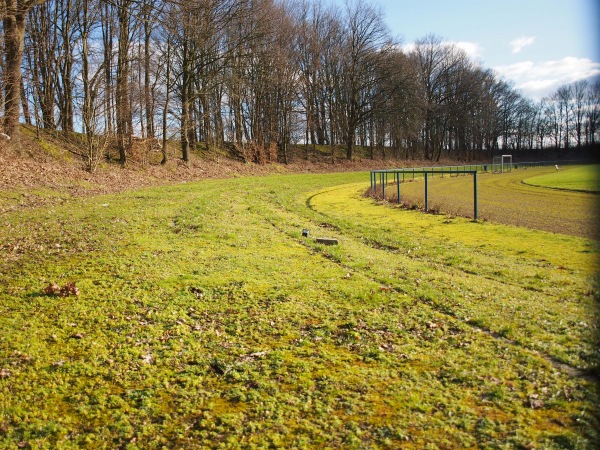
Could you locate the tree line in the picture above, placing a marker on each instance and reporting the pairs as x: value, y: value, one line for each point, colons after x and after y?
x: 261, y: 76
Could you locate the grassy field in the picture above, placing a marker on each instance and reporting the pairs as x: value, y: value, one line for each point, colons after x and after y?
x: 581, y: 178
x: 510, y: 198
x: 205, y: 320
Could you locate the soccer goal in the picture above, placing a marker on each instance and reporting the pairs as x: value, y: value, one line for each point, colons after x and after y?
x: 502, y: 164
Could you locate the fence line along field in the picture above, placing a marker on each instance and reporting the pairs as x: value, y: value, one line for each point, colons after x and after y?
x: 520, y: 197
x: 198, y: 316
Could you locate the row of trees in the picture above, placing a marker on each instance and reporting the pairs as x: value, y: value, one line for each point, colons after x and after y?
x: 261, y: 75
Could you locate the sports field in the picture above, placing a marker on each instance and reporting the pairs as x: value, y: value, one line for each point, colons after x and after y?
x: 581, y: 178
x: 523, y: 197
x: 197, y: 316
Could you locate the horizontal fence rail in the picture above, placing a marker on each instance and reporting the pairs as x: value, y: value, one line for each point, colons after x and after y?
x: 383, y: 176
x: 400, y: 175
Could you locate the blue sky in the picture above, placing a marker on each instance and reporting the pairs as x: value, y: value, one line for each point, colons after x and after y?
x: 536, y: 44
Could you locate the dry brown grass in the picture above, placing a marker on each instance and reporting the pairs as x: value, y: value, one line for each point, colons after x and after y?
x: 503, y: 198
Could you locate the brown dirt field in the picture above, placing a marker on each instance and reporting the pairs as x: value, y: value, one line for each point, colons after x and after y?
x: 503, y: 198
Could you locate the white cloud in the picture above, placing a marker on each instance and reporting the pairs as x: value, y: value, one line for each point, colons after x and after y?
x: 537, y: 80
x: 518, y: 44
x: 472, y: 49
x: 408, y: 48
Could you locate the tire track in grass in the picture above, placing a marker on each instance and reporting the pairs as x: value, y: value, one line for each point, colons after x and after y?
x: 495, y: 277
x: 320, y: 250
x: 285, y: 225
x: 223, y: 275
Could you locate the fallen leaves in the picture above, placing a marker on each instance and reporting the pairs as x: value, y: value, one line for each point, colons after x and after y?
x: 52, y: 289
x: 535, y: 402
x: 69, y: 289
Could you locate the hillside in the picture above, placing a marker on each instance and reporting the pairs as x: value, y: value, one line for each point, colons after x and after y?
x: 50, y: 168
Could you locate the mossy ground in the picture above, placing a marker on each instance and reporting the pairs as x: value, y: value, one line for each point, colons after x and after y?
x: 205, y: 319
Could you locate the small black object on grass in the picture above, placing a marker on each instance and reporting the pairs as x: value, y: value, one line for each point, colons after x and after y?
x: 305, y: 233
x: 327, y: 241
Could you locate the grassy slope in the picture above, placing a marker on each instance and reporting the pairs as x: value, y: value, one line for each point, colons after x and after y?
x: 206, y: 319
x: 582, y: 178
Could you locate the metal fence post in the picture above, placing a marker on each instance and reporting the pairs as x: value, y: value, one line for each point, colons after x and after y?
x: 426, y: 192
x: 475, y: 205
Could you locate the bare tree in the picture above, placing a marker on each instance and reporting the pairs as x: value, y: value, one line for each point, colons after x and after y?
x: 67, y: 12
x: 366, y: 43
x: 438, y: 64
x: 14, y: 18
x: 541, y: 123
x: 563, y: 97
x: 254, y: 72
x: 95, y: 141
x: 579, y: 90
x: 592, y: 113
x: 122, y: 100
x: 42, y: 49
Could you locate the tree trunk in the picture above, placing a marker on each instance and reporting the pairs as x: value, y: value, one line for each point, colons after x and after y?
x: 349, y: 148
x: 14, y: 35
x: 350, y: 137
x: 25, y: 104
x: 107, y: 39
x: 185, y: 107
x: 147, y: 87
x: 166, y: 106
x: 122, y: 93
x: 66, y: 107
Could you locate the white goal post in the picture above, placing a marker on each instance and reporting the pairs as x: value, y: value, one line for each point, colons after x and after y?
x: 502, y: 163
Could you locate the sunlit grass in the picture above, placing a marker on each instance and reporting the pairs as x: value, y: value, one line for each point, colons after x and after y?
x: 579, y: 178
x: 205, y: 319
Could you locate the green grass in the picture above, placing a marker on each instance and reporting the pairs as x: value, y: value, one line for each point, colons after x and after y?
x: 205, y: 319
x: 580, y: 178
